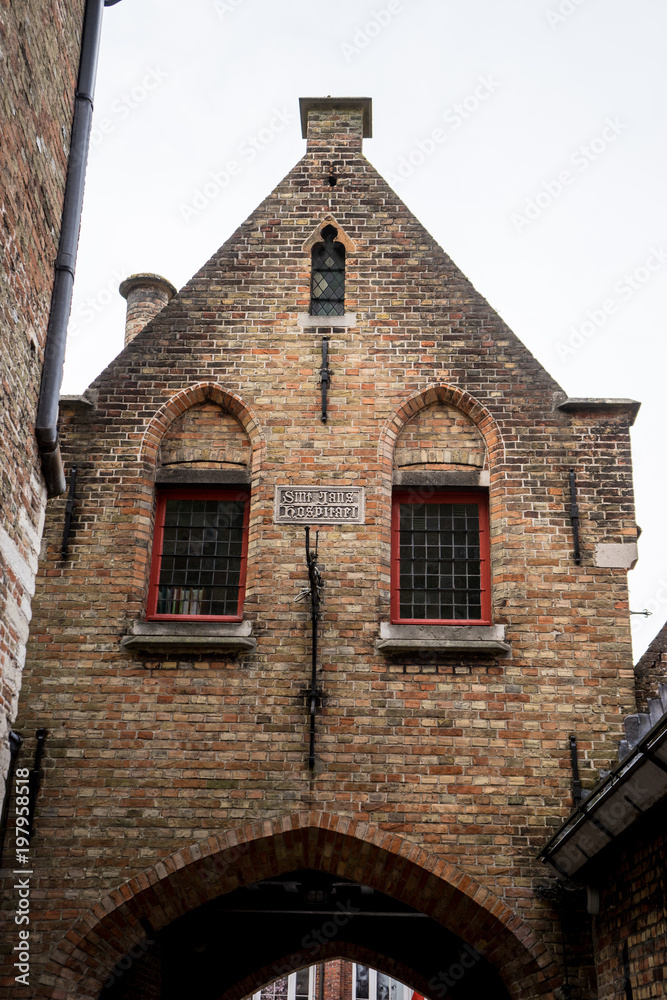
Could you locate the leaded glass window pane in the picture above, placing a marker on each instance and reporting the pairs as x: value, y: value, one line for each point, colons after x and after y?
x: 202, y: 548
x: 440, y: 567
x: 327, y: 295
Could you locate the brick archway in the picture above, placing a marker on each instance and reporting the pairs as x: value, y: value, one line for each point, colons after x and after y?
x: 204, y: 871
x: 194, y: 395
x: 441, y: 393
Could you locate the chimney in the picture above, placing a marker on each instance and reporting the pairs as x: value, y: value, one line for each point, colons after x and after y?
x: 329, y: 123
x: 147, y: 295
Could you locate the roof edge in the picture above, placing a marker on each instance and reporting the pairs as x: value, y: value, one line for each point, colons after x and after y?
x: 569, y: 862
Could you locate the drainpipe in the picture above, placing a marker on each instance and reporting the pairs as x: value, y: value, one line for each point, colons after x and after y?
x: 46, y: 427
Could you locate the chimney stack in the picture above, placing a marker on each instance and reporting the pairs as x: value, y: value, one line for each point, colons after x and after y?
x: 147, y: 295
x: 330, y: 123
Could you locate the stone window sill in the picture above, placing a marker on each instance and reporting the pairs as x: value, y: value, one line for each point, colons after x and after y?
x: 442, y: 638
x: 193, y: 637
x: 305, y: 320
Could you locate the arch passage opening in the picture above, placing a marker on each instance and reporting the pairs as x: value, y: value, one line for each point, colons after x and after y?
x: 233, y: 946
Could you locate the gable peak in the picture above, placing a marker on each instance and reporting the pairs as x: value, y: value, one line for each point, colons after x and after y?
x: 335, y: 121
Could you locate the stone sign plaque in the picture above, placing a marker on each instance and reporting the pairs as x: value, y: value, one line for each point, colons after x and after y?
x: 319, y: 505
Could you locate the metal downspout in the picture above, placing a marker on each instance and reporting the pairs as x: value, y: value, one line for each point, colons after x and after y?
x: 46, y: 427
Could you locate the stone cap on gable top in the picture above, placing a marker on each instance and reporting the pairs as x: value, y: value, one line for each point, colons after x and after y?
x: 601, y: 405
x: 322, y: 116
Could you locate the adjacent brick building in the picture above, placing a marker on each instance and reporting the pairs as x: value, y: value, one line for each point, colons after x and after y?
x: 40, y: 54
x: 631, y: 939
x: 328, y: 366
x: 651, y: 669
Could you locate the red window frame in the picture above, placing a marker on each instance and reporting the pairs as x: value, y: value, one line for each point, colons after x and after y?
x: 177, y: 493
x: 421, y: 496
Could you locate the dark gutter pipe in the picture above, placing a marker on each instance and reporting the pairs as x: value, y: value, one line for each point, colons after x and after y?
x: 35, y: 779
x: 46, y: 428
x: 574, y: 516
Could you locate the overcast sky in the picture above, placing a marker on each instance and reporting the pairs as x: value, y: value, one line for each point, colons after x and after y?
x: 528, y: 137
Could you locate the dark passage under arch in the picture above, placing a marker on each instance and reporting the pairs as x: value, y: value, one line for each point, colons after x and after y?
x: 233, y: 945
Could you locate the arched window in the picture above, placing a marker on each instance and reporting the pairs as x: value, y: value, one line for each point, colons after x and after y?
x: 441, y: 570
x: 327, y: 294
x: 440, y: 557
x: 199, y: 554
x: 200, y: 541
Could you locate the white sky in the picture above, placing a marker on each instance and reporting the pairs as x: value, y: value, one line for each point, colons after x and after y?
x: 545, y: 89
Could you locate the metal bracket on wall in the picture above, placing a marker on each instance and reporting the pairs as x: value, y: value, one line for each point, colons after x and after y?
x: 69, y: 510
x: 574, y: 763
x: 574, y: 514
x: 315, y: 584
x: 325, y: 378
x: 34, y: 780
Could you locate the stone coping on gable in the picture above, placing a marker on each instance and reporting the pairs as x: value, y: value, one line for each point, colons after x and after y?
x: 190, y: 636
x: 577, y: 404
x: 76, y: 402
x: 442, y: 638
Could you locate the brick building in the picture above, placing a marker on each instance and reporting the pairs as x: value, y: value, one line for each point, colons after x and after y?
x: 651, y: 669
x: 40, y: 56
x: 336, y: 980
x: 614, y: 844
x: 210, y: 818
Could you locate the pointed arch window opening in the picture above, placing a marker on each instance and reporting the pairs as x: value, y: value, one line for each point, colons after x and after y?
x: 327, y: 294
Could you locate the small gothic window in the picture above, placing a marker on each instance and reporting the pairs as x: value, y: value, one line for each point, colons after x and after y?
x: 327, y: 297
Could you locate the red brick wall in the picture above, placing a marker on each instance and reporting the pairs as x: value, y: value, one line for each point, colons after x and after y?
x: 40, y: 53
x: 337, y: 980
x: 464, y: 755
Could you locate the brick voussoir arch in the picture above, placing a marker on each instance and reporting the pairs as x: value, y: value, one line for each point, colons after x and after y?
x: 195, y: 395
x: 442, y: 393
x: 177, y: 884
